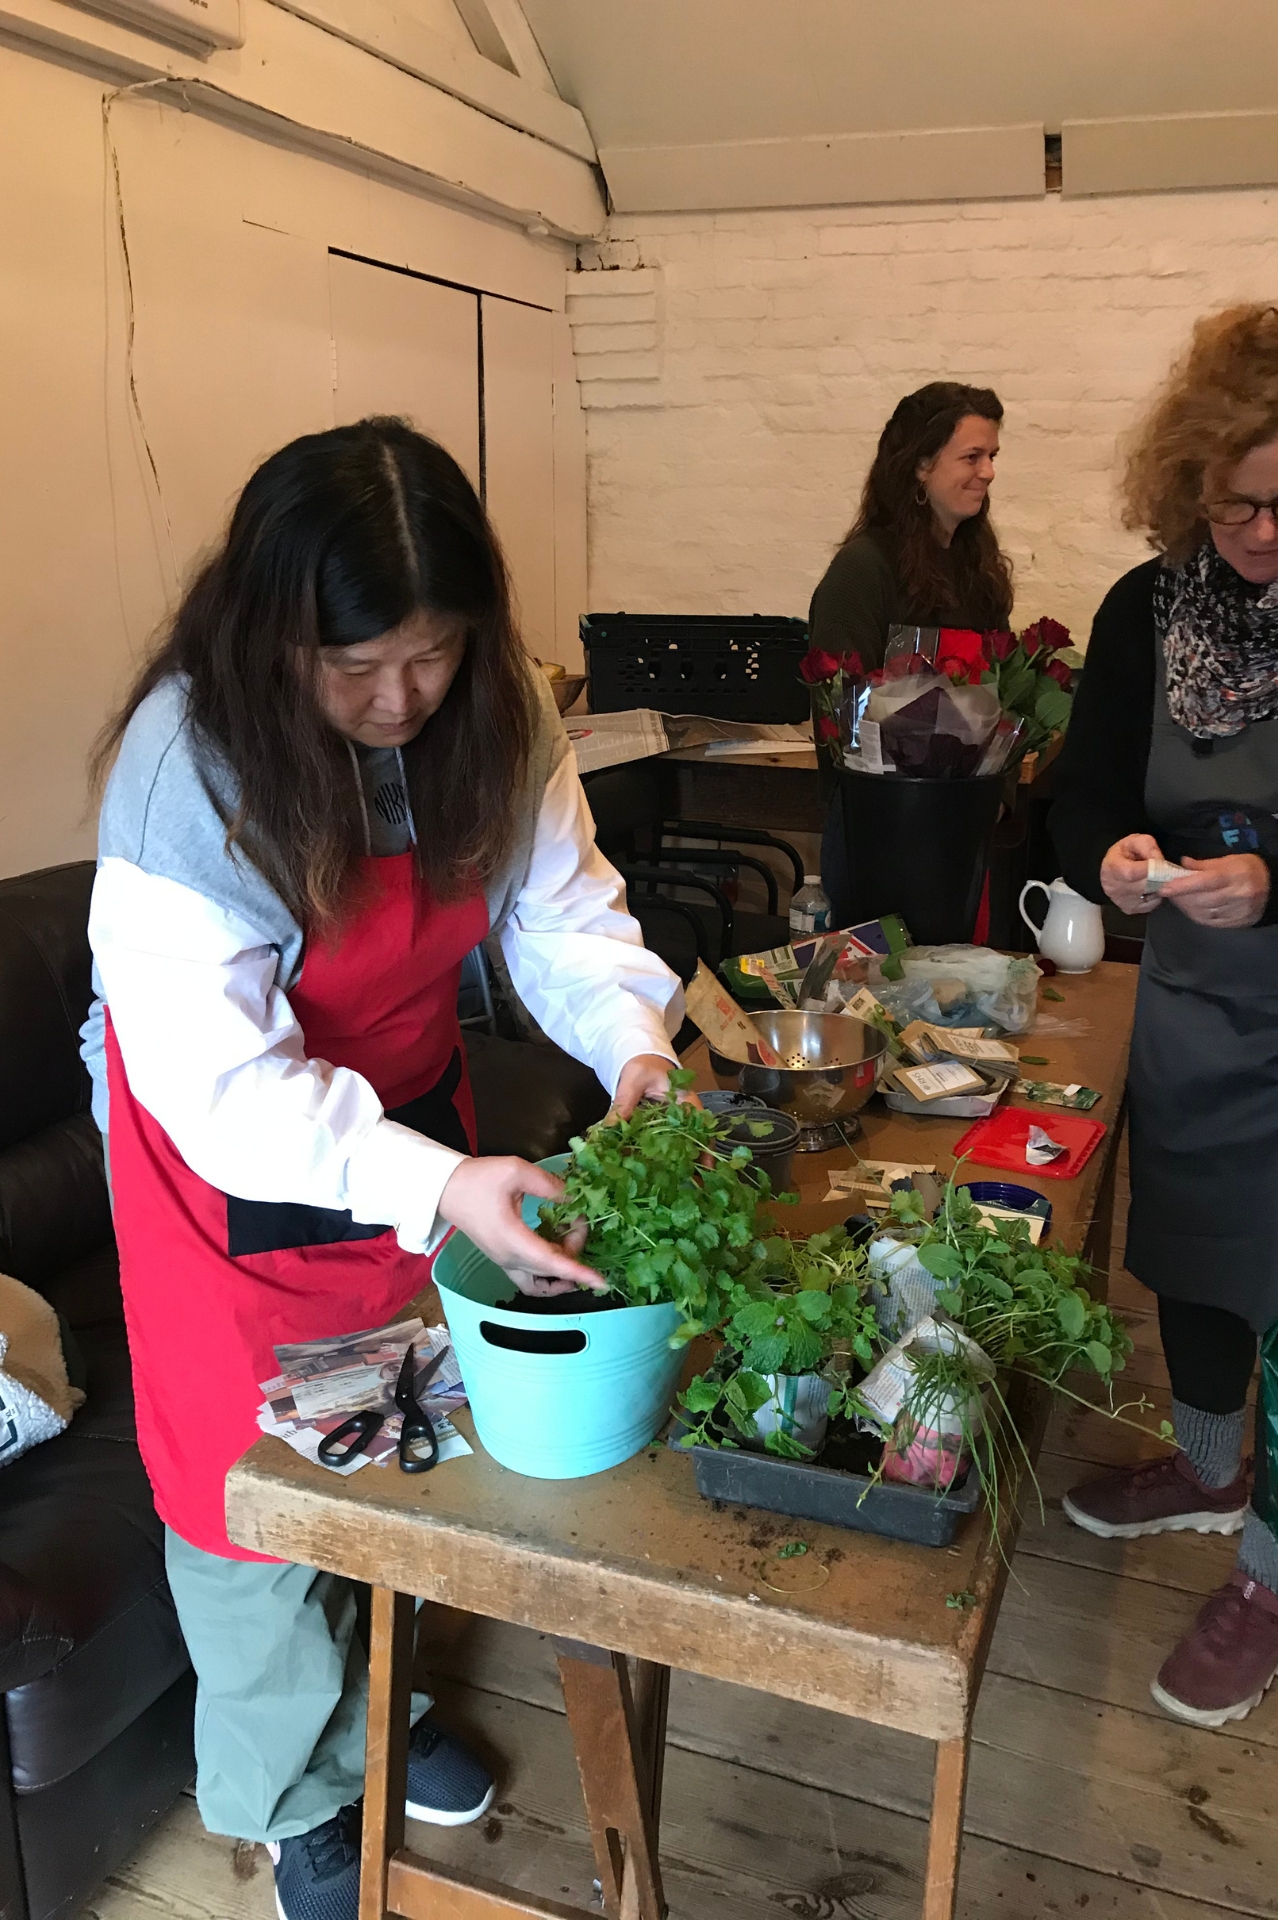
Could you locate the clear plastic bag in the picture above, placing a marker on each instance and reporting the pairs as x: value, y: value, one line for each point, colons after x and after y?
x: 961, y: 987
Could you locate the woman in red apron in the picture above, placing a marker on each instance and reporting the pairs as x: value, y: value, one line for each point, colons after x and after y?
x: 334, y: 779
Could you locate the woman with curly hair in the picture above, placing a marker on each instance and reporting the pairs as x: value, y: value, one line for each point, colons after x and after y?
x: 1172, y: 756
x: 921, y: 551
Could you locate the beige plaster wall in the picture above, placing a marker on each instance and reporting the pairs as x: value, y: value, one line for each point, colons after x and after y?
x: 228, y: 237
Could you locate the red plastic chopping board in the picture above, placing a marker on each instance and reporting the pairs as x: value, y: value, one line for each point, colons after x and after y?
x: 1000, y: 1141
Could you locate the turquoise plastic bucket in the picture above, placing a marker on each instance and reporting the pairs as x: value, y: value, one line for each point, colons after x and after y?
x: 555, y: 1416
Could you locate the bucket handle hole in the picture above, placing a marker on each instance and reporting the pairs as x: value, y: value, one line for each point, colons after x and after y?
x: 533, y: 1340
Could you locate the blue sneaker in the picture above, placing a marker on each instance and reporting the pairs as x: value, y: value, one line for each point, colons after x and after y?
x: 447, y: 1784
x: 317, y: 1873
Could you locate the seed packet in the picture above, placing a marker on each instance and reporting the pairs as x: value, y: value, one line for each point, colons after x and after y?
x: 924, y: 1042
x: 1041, y: 1149
x: 1048, y: 1093
x: 721, y: 1020
x: 945, y: 1079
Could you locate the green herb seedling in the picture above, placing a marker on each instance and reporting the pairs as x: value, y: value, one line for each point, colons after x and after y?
x: 792, y: 1549
x: 962, y: 1599
x: 804, y: 1305
x: 669, y: 1213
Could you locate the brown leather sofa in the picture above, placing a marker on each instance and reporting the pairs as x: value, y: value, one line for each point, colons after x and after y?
x: 98, y: 1691
x: 95, y: 1740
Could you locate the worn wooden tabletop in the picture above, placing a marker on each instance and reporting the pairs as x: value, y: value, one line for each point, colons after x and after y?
x: 634, y: 1559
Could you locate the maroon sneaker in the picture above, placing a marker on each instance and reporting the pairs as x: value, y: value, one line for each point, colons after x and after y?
x: 1158, y: 1496
x: 1227, y: 1660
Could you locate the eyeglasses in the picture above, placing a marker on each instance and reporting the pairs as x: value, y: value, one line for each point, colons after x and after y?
x: 1236, y: 513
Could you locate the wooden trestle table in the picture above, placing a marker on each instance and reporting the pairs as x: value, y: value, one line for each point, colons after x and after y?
x: 634, y: 1573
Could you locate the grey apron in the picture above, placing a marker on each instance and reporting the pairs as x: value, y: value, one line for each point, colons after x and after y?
x: 1203, y: 1081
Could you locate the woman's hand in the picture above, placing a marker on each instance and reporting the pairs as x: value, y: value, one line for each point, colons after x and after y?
x: 646, y: 1077
x: 483, y: 1198
x: 1123, y: 871
x: 1230, y: 892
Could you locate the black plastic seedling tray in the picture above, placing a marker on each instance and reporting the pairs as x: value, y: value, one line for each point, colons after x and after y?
x: 807, y: 1491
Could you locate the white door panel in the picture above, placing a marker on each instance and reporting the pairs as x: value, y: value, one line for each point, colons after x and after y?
x: 406, y: 346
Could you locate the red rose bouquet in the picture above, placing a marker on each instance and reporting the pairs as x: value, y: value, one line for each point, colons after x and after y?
x: 832, y: 680
x: 1035, y: 684
x: 977, y: 703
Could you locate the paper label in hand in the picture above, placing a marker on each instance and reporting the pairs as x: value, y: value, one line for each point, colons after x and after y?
x: 712, y: 1009
x: 1161, y: 873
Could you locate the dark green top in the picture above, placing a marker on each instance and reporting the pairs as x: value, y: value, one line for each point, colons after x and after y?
x: 859, y: 598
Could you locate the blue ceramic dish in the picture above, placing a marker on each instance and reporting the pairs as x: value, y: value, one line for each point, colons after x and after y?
x: 1002, y: 1193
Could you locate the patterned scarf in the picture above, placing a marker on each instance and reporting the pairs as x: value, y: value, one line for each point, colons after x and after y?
x: 1220, y: 645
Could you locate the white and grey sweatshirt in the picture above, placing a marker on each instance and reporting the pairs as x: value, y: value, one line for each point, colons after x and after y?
x: 194, y: 952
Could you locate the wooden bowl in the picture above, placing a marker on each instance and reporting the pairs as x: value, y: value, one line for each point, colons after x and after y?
x: 567, y: 690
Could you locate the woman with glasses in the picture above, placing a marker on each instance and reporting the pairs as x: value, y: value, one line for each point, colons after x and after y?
x: 1172, y: 756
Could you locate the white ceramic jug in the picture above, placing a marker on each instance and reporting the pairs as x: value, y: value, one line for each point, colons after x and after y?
x: 1072, y: 934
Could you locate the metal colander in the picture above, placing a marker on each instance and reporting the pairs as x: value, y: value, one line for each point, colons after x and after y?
x: 829, y: 1064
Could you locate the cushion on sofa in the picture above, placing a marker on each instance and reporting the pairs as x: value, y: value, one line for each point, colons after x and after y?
x: 89, y: 1632
x: 54, y: 1206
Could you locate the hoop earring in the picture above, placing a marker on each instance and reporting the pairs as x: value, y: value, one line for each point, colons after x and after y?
x: 920, y: 495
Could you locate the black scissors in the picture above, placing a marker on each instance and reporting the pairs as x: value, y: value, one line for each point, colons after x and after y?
x: 416, y: 1430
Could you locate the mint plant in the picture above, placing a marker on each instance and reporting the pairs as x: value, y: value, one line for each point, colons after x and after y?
x: 804, y: 1312
x: 1025, y: 1306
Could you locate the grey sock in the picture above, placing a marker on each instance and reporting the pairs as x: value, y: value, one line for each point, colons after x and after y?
x: 1258, y: 1554
x: 1212, y: 1442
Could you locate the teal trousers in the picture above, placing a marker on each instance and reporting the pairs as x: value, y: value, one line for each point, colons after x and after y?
x: 282, y: 1691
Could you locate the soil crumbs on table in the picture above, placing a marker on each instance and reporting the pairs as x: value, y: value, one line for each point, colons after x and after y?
x: 1084, y: 1799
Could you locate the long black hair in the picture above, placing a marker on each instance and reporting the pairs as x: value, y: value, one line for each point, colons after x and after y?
x: 338, y: 538
x: 971, y: 576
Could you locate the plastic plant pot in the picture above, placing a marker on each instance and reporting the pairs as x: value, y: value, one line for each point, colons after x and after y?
x: 725, y: 1102
x: 773, y: 1151
x: 797, y: 1408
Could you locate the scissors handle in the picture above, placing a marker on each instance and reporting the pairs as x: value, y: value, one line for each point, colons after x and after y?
x: 359, y: 1430
x: 416, y: 1428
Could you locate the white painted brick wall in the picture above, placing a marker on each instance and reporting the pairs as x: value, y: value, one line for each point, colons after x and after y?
x: 772, y: 346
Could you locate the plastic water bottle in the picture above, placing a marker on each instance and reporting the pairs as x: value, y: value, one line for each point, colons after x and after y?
x: 810, y: 908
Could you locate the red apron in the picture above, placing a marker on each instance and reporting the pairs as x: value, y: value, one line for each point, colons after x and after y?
x: 212, y: 1283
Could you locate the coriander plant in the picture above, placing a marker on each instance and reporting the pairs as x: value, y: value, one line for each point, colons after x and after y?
x: 671, y: 1216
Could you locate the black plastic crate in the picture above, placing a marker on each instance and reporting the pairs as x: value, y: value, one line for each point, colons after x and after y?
x: 732, y: 667
x: 803, y: 1490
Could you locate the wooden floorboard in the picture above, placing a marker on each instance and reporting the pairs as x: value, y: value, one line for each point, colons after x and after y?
x: 1161, y: 1786
x: 1084, y: 1799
